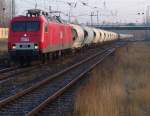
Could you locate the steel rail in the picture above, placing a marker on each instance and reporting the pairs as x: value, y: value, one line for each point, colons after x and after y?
x: 40, y: 84
x: 62, y: 90
x: 7, y: 69
x: 15, y: 71
x: 8, y: 73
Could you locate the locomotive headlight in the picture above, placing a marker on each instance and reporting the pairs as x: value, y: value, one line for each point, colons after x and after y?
x: 36, y: 46
x: 13, y: 46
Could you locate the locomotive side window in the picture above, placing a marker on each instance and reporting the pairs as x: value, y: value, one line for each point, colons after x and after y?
x: 25, y: 26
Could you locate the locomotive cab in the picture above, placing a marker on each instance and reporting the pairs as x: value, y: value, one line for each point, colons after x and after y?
x: 25, y: 35
x: 36, y: 36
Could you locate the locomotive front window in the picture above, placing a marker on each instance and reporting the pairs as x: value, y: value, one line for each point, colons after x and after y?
x: 32, y: 26
x: 18, y: 26
x: 26, y: 26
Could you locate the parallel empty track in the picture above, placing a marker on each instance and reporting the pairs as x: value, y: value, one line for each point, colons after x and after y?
x: 8, y: 73
x: 4, y: 70
x: 24, y: 80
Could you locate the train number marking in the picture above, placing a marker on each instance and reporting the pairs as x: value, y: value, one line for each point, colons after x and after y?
x: 24, y: 39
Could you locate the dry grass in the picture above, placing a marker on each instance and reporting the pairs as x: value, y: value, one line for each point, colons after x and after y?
x: 3, y: 49
x: 3, y: 46
x: 119, y: 86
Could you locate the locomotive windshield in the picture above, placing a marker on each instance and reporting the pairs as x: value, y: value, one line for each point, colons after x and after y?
x: 25, y: 26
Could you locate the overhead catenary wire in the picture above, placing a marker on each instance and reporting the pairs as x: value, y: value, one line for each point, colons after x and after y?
x: 105, y: 7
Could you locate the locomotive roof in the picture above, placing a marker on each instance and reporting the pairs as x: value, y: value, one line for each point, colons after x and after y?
x: 39, y: 14
x: 53, y: 19
x: 36, y: 12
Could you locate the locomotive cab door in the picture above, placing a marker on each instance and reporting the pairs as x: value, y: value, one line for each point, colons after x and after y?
x: 46, y: 38
x: 61, y: 37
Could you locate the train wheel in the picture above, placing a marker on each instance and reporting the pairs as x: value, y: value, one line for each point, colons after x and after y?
x: 28, y: 61
x: 21, y: 61
x: 60, y: 53
x: 53, y: 56
x: 43, y: 58
x: 65, y: 52
x: 72, y: 51
x: 47, y: 56
x: 57, y: 54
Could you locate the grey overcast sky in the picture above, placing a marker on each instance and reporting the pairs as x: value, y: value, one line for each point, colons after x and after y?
x: 110, y: 11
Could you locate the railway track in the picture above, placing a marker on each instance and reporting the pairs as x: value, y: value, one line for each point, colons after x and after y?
x: 20, y: 82
x: 9, y: 69
x: 10, y: 72
x: 30, y: 101
x: 4, y: 70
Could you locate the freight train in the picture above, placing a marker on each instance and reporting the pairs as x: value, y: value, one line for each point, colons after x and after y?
x: 37, y: 35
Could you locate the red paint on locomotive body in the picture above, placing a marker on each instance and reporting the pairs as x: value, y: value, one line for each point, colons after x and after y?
x: 58, y: 37
x: 37, y: 34
x: 16, y: 35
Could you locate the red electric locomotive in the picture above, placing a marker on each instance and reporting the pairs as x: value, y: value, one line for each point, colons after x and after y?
x: 36, y: 35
